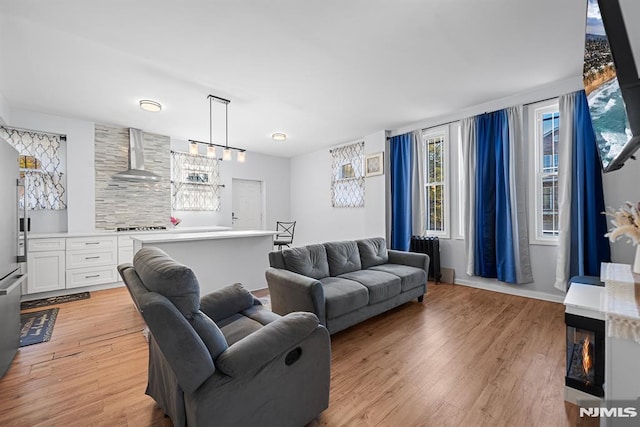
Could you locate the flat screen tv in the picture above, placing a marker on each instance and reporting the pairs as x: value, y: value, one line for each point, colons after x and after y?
x: 611, y: 83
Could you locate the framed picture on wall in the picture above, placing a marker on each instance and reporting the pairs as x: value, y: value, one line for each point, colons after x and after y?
x: 373, y: 164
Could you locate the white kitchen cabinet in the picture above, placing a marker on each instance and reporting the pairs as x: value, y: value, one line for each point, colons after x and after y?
x: 79, y: 277
x: 46, y: 271
x: 91, y: 261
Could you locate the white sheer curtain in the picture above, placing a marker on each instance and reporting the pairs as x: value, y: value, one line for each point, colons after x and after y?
x: 565, y: 154
x: 418, y: 198
x: 468, y: 132
x: 518, y: 187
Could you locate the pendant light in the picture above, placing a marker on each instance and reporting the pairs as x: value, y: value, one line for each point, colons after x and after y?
x: 193, y: 148
x: 241, y: 153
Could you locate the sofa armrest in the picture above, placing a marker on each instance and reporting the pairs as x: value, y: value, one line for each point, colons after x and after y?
x: 262, y: 346
x: 412, y: 259
x: 291, y: 292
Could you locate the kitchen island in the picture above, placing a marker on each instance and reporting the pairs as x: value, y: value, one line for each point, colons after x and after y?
x: 218, y: 258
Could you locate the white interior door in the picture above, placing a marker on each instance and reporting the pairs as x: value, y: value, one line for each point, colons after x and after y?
x: 247, y: 204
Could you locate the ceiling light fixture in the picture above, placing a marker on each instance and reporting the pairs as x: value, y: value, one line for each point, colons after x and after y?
x: 211, y: 147
x: 279, y: 136
x: 148, y: 105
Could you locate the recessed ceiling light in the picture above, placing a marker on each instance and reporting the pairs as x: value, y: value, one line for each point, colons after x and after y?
x: 279, y: 136
x: 148, y: 105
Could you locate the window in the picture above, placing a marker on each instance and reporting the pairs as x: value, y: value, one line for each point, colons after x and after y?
x: 194, y: 183
x: 41, y: 165
x: 435, y: 172
x: 347, y: 176
x: 546, y: 125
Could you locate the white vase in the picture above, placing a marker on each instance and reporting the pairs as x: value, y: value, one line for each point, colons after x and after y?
x: 636, y: 262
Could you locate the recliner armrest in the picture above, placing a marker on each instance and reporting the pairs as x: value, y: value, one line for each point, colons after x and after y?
x: 226, y: 302
x: 262, y: 346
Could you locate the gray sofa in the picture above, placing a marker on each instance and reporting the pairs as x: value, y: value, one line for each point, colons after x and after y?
x: 225, y: 360
x: 344, y: 283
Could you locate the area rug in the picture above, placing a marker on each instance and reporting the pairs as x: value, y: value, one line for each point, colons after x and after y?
x: 25, y: 305
x: 37, y: 326
x: 266, y: 302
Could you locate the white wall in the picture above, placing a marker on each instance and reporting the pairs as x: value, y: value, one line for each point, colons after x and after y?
x: 621, y: 186
x: 5, y: 111
x: 272, y: 171
x: 80, y: 213
x: 317, y: 220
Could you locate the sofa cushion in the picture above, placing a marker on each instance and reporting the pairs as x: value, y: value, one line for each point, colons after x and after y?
x: 177, y: 282
x: 310, y: 261
x: 381, y: 285
x: 372, y: 252
x: 410, y: 277
x: 342, y: 296
x: 343, y: 257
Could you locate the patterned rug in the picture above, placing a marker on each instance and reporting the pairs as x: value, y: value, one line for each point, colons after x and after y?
x: 25, y: 305
x: 37, y: 326
x: 266, y: 301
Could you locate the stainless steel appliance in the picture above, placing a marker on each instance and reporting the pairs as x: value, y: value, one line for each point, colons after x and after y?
x: 13, y: 251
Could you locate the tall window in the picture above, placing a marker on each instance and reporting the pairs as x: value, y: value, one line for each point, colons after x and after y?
x: 347, y: 176
x: 436, y: 182
x: 547, y: 125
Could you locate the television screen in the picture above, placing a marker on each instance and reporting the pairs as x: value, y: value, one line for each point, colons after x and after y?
x: 606, y: 104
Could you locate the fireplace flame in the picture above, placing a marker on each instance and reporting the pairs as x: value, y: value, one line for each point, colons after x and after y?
x: 587, y: 361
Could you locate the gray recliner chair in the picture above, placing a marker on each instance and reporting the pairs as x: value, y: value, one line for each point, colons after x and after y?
x: 225, y: 360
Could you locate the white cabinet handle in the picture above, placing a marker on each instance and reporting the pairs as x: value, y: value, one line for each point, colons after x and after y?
x: 91, y: 257
x: 91, y: 243
x: 92, y: 276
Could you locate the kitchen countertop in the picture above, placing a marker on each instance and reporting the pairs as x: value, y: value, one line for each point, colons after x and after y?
x: 176, y: 230
x: 216, y: 235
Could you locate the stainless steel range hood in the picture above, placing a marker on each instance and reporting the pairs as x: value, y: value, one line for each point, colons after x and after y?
x: 136, y: 170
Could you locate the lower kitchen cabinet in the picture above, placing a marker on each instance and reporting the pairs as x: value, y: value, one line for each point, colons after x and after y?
x: 79, y: 277
x: 46, y: 271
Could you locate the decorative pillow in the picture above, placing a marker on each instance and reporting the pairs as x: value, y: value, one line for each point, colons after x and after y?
x: 343, y: 257
x: 310, y: 261
x: 373, y: 251
x: 177, y: 282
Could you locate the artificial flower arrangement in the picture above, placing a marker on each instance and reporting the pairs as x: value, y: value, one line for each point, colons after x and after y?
x: 626, y: 221
x: 175, y: 221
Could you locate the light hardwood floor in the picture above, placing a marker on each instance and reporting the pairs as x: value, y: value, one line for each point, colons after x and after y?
x: 463, y: 357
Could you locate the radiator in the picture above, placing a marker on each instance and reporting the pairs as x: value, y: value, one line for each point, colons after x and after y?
x: 431, y: 247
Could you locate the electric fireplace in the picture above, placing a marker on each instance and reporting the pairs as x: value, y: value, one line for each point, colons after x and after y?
x: 585, y: 354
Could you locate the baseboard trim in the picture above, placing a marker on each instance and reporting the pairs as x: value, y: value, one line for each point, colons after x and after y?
x: 544, y: 296
x: 57, y: 293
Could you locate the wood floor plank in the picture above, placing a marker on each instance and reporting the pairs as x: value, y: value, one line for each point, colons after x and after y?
x: 463, y: 357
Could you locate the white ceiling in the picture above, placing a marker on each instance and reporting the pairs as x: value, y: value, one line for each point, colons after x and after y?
x: 324, y: 72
